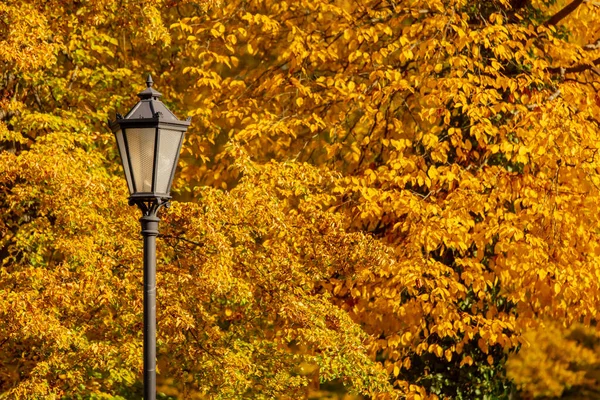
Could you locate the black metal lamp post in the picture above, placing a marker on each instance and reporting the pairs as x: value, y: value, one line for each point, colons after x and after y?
x: 149, y: 138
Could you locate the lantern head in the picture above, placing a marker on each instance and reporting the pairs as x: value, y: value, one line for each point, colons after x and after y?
x: 149, y: 139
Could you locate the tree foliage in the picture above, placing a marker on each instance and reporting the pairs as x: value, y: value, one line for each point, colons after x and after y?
x: 390, y: 192
x: 556, y: 360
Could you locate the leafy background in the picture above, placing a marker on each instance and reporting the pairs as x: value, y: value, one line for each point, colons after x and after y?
x: 391, y: 197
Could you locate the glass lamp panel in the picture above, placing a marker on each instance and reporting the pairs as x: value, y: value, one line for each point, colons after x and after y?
x: 168, y: 149
x: 124, y: 159
x: 140, y: 142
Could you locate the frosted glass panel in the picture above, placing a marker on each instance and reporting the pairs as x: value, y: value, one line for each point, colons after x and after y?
x: 140, y: 142
x: 124, y: 159
x: 168, y: 149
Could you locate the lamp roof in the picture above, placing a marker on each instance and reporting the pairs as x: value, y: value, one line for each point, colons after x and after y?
x: 149, y: 105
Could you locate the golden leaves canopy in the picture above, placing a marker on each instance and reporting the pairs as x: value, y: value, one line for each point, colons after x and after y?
x: 382, y: 193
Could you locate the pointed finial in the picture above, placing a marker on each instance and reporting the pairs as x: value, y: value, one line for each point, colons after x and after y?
x: 149, y: 92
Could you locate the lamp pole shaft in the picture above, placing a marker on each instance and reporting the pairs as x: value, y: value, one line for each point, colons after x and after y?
x: 149, y: 232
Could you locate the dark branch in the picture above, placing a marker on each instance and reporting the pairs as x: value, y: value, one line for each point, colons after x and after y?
x: 5, y: 115
x: 180, y: 238
x: 559, y: 16
x: 592, y: 46
x: 577, y: 68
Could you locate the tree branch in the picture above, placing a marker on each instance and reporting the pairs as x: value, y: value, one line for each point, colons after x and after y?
x: 592, y: 46
x: 550, y: 98
x: 577, y: 68
x: 180, y: 238
x: 568, y: 9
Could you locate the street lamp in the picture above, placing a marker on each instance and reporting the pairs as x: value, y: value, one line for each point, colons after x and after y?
x: 149, y: 138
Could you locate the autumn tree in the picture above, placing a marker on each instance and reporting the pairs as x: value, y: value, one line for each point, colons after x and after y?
x: 465, y: 137
x: 398, y: 184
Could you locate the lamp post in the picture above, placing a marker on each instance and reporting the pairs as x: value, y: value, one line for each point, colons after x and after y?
x: 149, y: 139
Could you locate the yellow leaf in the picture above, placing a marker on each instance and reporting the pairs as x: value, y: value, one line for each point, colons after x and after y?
x: 448, y: 355
x: 232, y: 39
x: 406, y: 338
x: 219, y: 27
x: 432, y: 173
x: 466, y: 360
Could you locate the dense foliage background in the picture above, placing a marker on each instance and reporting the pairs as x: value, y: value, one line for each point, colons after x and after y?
x: 388, y: 196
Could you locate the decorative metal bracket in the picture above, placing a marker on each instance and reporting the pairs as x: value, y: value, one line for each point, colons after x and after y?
x: 150, y: 207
